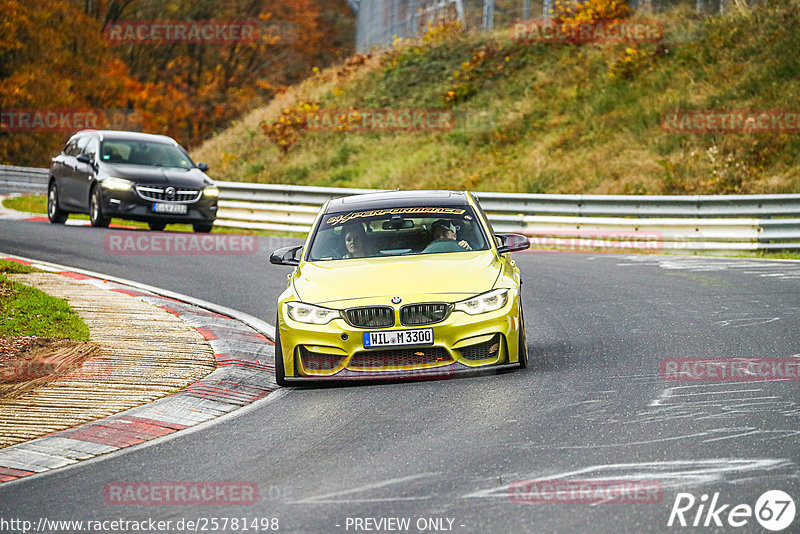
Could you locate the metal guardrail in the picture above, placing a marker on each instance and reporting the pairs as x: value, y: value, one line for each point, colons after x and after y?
x: 22, y: 180
x: 631, y: 222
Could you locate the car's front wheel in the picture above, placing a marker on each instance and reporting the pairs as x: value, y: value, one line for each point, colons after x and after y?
x: 280, y: 373
x: 54, y: 211
x: 202, y: 228
x: 96, y: 216
x: 522, y: 348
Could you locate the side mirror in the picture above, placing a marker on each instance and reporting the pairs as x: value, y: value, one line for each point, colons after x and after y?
x: 202, y: 166
x: 512, y: 243
x: 84, y: 158
x: 286, y: 256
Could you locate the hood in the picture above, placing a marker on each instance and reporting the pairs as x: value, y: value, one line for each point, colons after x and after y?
x: 145, y: 175
x: 449, y: 277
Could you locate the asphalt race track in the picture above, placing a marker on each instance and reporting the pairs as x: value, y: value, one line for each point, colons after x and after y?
x: 593, y: 406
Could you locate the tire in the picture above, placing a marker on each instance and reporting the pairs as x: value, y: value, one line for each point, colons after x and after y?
x: 522, y: 347
x: 54, y: 211
x: 280, y: 373
x: 202, y: 228
x: 96, y: 216
x: 156, y: 226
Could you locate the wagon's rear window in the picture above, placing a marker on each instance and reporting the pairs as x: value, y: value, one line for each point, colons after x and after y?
x: 397, y: 232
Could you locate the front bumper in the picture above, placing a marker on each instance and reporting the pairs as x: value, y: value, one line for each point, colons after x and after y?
x: 463, y: 344
x: 127, y: 204
x: 452, y: 371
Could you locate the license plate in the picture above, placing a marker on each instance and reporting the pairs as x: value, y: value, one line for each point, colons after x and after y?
x: 179, y: 209
x: 394, y: 338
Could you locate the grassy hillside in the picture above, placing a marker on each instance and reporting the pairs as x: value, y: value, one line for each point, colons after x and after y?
x: 548, y: 118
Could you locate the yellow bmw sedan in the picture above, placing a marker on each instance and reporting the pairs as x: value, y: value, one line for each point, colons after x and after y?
x: 399, y: 285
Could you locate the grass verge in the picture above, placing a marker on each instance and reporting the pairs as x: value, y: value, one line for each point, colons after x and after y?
x: 25, y: 311
x: 27, y: 203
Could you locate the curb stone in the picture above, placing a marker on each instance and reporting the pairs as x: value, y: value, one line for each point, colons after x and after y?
x: 245, y: 373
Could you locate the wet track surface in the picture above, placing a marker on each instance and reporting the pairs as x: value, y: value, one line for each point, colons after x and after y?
x: 592, y: 406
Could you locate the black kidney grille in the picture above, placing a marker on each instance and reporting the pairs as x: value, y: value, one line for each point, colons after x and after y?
x: 422, y: 314
x: 370, y: 317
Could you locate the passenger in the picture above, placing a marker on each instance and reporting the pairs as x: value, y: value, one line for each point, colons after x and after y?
x: 355, y: 241
x: 444, y: 234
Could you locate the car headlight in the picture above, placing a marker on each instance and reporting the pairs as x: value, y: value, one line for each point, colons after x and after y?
x: 487, y: 302
x: 117, y: 184
x: 307, y: 313
x: 211, y: 191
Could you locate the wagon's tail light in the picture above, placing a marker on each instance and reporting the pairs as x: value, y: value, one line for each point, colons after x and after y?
x: 310, y: 314
x: 487, y: 302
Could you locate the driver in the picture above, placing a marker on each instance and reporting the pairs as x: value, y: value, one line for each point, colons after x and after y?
x: 444, y: 234
x: 355, y: 241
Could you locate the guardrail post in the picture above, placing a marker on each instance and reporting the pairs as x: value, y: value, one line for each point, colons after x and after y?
x: 488, y: 15
x: 547, y: 8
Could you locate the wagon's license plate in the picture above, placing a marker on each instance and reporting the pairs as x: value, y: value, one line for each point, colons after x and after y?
x: 393, y: 338
x: 179, y: 209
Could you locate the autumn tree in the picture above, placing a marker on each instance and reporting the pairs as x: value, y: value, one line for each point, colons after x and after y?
x: 220, y: 81
x: 54, y: 54
x: 45, y: 64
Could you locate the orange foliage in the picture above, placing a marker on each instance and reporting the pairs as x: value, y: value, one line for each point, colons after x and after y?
x: 590, y: 11
x: 54, y: 55
x: 286, y: 131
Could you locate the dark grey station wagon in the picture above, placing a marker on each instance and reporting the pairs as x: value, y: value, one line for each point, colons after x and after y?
x: 130, y: 175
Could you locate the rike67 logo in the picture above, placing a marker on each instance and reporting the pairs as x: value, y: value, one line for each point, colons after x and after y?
x: 774, y: 510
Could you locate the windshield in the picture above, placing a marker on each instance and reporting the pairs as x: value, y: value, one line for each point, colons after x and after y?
x: 132, y: 152
x: 397, y: 232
